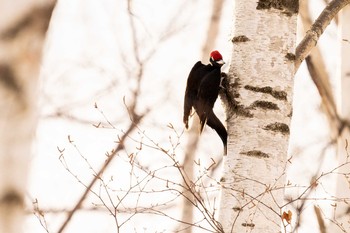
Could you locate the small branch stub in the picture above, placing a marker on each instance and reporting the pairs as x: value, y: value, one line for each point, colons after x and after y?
x: 290, y: 56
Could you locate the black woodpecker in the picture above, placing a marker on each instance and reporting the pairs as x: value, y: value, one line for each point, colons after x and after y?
x: 202, y: 90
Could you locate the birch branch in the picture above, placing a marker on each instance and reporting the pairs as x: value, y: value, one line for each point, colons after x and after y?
x: 320, y: 220
x: 326, y: 96
x: 316, y: 30
x: 320, y: 76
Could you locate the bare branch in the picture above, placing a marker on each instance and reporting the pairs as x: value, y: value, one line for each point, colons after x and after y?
x: 319, y: 75
x: 320, y: 219
x: 327, y: 97
x: 101, y: 170
x: 316, y: 30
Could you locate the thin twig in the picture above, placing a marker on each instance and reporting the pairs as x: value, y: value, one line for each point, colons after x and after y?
x: 99, y: 173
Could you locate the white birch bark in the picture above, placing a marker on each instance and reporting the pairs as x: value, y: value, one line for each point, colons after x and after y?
x: 341, y: 211
x: 20, y: 46
x: 261, y: 79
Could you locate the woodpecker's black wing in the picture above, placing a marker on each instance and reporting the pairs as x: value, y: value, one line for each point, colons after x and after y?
x: 193, y: 82
x: 207, y: 94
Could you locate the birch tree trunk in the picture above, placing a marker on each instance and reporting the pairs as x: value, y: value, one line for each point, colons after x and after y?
x: 341, y: 210
x: 261, y: 82
x: 21, y: 41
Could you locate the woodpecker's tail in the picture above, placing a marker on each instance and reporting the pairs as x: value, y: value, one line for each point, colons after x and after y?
x: 202, y: 120
x: 220, y: 129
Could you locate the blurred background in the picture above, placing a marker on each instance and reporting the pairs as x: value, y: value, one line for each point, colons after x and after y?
x: 106, y: 63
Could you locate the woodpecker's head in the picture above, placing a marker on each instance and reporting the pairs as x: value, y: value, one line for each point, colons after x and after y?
x: 216, y: 58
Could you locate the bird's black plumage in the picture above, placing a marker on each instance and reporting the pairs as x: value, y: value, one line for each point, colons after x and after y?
x: 202, y: 90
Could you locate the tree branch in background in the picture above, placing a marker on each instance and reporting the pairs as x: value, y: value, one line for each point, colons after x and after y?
x: 320, y: 220
x: 326, y: 96
x: 320, y: 76
x: 134, y: 117
x: 336, y: 18
x: 98, y: 175
x: 316, y: 30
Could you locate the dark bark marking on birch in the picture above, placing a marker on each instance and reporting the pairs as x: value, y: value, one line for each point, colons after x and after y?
x: 281, y: 95
x: 238, y: 39
x: 243, y: 111
x: 222, y: 179
x: 38, y: 18
x: 228, y: 95
x: 267, y: 105
x: 248, y: 225
x: 278, y: 127
x: 255, y: 153
x: 289, y: 7
x: 237, y: 209
x: 12, y: 198
x: 8, y: 79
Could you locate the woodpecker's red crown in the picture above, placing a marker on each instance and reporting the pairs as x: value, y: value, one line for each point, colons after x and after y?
x: 216, y: 55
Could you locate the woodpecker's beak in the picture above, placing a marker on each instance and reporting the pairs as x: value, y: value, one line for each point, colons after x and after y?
x: 220, y: 62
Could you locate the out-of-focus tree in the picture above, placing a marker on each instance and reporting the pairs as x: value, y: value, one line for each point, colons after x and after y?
x: 341, y: 217
x: 21, y: 42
